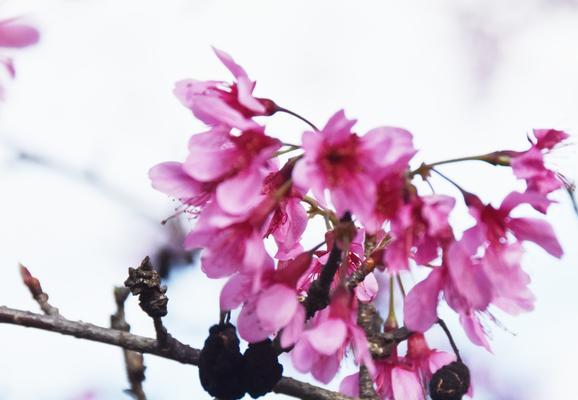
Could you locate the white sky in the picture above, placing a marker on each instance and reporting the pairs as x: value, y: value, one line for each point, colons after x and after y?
x: 466, y: 77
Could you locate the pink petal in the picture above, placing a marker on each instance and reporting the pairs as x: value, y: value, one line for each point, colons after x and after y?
x: 390, y: 149
x: 303, y: 356
x: 293, y: 330
x: 206, y: 165
x: 169, y: 178
x: 438, y: 359
x: 276, y: 306
x: 242, y: 192
x: 231, y: 65
x: 468, y: 277
x: 361, y: 348
x: 367, y: 290
x: 350, y: 385
x: 406, y: 385
x: 474, y: 330
x: 13, y: 34
x: 436, y: 210
x: 420, y: 306
x: 325, y: 369
x: 548, y: 138
x: 255, y: 255
x: 537, y: 231
x: 328, y: 337
x: 235, y: 292
x: 357, y: 196
x: 249, y: 325
x: 338, y: 128
x: 215, y: 266
x: 514, y: 199
x: 245, y: 96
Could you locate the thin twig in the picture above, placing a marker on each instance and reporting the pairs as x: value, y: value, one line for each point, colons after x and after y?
x: 134, y: 361
x: 178, y: 351
x: 37, y: 293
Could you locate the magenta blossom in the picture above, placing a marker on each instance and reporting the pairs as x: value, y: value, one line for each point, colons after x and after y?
x: 219, y: 103
x: 529, y: 165
x: 349, y: 166
x: 494, y: 224
x: 418, y: 229
x: 467, y: 290
x: 270, y: 305
x: 470, y: 284
x: 237, y: 165
x: 231, y: 243
x: 320, y: 349
x: 403, y: 378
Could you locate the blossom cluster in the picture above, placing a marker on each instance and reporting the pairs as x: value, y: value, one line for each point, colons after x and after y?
x: 244, y: 186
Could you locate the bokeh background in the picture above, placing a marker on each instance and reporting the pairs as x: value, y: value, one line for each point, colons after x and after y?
x: 91, y: 110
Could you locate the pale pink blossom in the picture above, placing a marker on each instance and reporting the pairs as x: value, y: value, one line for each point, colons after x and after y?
x: 466, y: 288
x: 220, y: 103
x: 320, y: 348
x: 237, y: 165
x: 231, y: 243
x: 349, y: 166
x: 418, y: 230
x: 529, y: 165
x: 403, y: 378
x: 271, y: 304
x: 493, y: 224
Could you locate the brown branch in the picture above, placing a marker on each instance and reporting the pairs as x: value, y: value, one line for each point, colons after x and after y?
x: 37, y: 293
x: 134, y: 361
x: 177, y: 351
x: 306, y: 391
x: 369, y: 319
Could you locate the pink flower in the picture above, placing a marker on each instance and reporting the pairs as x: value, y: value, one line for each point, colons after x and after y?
x: 270, y: 305
x: 231, y: 243
x: 219, y: 103
x: 348, y: 165
x: 403, y: 378
x: 470, y: 283
x: 237, y: 165
x: 418, y: 229
x: 529, y: 165
x: 494, y: 224
x: 320, y: 349
x: 467, y: 290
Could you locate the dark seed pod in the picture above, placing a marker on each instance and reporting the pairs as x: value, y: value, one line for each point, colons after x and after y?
x: 262, y: 370
x: 221, y: 363
x: 450, y: 382
x: 145, y: 282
